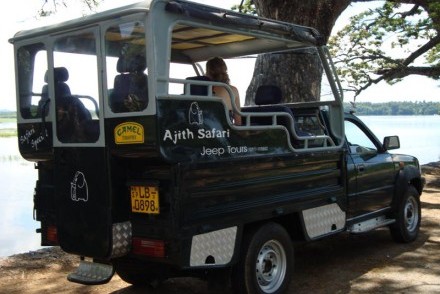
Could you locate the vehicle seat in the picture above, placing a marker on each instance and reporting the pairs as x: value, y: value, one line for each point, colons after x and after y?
x: 267, y: 99
x: 73, y: 120
x: 198, y: 90
x: 268, y: 95
x: 71, y: 113
x: 130, y: 92
x: 61, y: 75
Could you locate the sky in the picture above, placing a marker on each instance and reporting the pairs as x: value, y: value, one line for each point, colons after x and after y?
x: 410, y: 89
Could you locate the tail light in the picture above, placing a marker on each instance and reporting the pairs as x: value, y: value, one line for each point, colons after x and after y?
x: 49, y: 235
x: 148, y: 247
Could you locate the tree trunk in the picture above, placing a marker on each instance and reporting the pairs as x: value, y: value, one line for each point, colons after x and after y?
x: 298, y: 76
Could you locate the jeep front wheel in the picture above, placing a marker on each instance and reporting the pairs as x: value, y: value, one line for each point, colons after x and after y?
x: 408, y: 217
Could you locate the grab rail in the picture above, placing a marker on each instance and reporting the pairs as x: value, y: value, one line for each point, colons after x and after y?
x: 327, y: 141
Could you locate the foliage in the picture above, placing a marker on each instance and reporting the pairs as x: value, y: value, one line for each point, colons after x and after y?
x: 247, y: 7
x: 50, y: 7
x: 395, y: 108
x: 388, y: 43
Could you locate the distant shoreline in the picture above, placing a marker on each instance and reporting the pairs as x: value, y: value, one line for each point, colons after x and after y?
x: 10, y: 117
x: 394, y: 108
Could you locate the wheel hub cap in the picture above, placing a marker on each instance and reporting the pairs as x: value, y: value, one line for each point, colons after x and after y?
x: 411, y: 214
x: 271, y: 266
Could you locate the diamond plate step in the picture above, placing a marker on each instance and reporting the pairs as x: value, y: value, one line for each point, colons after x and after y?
x: 370, y: 224
x: 92, y: 273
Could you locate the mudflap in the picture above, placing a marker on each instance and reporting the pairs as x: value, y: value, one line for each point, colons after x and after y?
x: 84, y: 219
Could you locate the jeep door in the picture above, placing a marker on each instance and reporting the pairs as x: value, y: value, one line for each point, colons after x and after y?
x: 371, y: 170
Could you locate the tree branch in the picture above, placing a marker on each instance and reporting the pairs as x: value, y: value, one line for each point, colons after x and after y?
x: 398, y: 73
x: 411, y: 12
x: 422, y: 50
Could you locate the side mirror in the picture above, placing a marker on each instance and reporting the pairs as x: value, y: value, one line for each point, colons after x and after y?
x: 391, y: 142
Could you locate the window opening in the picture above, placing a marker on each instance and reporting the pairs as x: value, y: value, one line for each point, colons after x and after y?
x: 76, y: 88
x: 32, y: 81
x: 127, y: 77
x: 357, y: 140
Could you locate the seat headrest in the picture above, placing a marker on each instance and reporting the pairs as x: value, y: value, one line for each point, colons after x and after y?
x: 201, y: 90
x: 131, y: 64
x: 199, y: 78
x: 268, y: 94
x: 60, y: 75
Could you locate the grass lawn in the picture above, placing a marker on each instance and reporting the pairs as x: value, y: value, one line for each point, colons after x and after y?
x: 9, y: 132
x: 5, y: 133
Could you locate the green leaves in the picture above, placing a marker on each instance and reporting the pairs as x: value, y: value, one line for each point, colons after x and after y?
x: 388, y: 43
x: 248, y: 7
x: 51, y: 7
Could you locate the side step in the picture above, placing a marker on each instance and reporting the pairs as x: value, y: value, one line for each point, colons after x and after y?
x: 370, y: 224
x: 92, y: 273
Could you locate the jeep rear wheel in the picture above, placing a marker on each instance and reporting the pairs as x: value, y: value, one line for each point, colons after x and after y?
x: 266, y: 262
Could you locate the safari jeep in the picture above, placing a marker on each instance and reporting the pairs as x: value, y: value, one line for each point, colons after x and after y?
x: 142, y: 171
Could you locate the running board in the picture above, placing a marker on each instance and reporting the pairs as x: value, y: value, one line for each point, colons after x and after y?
x: 370, y: 224
x: 91, y: 273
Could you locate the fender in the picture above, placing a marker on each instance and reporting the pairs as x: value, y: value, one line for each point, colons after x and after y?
x: 404, y: 177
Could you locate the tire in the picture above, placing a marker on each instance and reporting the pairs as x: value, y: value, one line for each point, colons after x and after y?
x: 266, y: 261
x: 408, y: 217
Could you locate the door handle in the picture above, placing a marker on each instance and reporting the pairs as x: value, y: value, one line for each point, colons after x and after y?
x: 360, y: 168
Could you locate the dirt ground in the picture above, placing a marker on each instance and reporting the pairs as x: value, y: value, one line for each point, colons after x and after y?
x: 369, y: 263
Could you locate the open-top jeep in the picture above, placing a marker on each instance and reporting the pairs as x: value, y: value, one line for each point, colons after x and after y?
x: 142, y: 170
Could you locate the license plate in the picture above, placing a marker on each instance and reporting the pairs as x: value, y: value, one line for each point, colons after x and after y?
x: 144, y: 199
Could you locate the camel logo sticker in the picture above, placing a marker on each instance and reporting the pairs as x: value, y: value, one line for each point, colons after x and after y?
x: 129, y: 133
x: 195, y: 115
x: 79, y: 190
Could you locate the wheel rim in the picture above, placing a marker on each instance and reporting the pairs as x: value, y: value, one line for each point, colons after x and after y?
x: 271, y: 266
x: 411, y: 214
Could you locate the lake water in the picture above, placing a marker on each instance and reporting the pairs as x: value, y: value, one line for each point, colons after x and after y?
x: 17, y: 178
x: 419, y: 136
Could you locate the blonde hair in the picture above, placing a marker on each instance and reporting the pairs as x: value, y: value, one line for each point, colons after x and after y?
x: 217, y: 70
